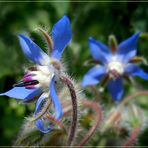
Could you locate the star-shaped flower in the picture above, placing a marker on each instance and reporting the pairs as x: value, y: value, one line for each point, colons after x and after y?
x: 114, y: 64
x: 40, y: 79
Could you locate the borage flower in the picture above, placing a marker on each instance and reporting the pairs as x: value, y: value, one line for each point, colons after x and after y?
x: 114, y: 64
x: 40, y: 79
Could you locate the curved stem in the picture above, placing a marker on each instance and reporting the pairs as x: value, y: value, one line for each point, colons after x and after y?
x: 43, y: 111
x: 96, y: 93
x: 132, y: 138
x: 71, y: 88
x: 67, y: 111
x: 98, y: 119
x: 115, y: 116
x: 127, y: 99
x: 48, y: 40
x: 57, y: 122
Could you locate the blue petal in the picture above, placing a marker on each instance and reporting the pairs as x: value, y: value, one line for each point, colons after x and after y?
x: 39, y: 123
x: 115, y: 88
x: 93, y: 76
x: 133, y: 70
x: 31, y: 50
x: 128, y: 48
x: 39, y: 103
x: 55, y: 100
x: 61, y: 36
x: 22, y: 93
x: 99, y: 51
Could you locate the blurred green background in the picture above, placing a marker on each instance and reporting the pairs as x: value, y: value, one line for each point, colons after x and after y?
x: 87, y: 19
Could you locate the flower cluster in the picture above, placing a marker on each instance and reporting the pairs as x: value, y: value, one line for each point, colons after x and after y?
x: 39, y: 81
x: 114, y: 64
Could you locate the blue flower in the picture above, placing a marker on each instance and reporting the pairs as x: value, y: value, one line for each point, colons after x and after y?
x: 40, y: 79
x: 114, y: 64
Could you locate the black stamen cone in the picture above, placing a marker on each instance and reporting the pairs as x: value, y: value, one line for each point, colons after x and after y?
x: 22, y: 84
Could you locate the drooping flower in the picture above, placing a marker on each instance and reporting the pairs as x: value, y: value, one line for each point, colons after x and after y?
x: 39, y: 82
x: 114, y: 63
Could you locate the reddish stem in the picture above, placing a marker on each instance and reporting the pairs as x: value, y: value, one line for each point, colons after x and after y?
x: 98, y: 119
x: 48, y: 40
x: 132, y: 138
x: 127, y: 99
x: 96, y: 93
x: 71, y: 88
x: 57, y: 122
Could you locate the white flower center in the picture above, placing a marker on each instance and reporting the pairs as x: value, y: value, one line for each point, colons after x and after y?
x: 43, y: 76
x: 117, y: 66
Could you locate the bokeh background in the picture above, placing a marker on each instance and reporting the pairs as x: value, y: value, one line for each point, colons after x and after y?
x: 87, y: 19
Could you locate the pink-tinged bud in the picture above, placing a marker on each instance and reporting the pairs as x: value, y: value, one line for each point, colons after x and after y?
x: 27, y: 79
x: 27, y: 75
x: 30, y: 87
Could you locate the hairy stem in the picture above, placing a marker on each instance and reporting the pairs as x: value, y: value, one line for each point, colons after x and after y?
x: 96, y: 93
x: 98, y: 119
x: 71, y: 88
x: 48, y: 40
x: 57, y: 122
x: 131, y: 140
x: 67, y: 113
x: 115, y: 116
x: 127, y: 99
x: 43, y: 111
